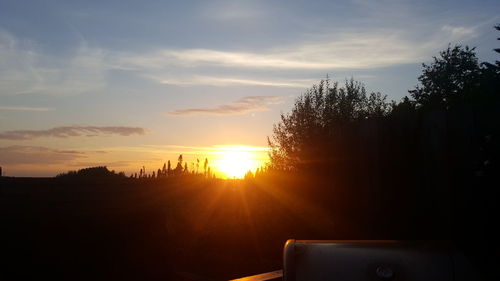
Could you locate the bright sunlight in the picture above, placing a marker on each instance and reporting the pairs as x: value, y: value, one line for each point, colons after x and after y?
x: 236, y: 161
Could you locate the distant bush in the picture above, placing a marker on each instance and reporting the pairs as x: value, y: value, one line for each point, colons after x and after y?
x: 100, y: 171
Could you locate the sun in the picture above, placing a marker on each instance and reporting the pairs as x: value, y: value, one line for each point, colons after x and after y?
x: 236, y: 161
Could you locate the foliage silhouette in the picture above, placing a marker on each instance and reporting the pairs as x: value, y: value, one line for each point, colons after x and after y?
x: 427, y: 164
x: 100, y: 171
x: 321, y: 117
x: 450, y: 77
x: 496, y: 66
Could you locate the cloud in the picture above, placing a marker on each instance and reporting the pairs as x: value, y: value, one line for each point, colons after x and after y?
x: 353, y: 49
x: 230, y: 81
x: 25, y: 68
x: 266, y: 59
x: 241, y: 106
x: 83, y: 164
x: 35, y: 155
x: 458, y: 32
x: 71, y: 131
x: 26, y: 108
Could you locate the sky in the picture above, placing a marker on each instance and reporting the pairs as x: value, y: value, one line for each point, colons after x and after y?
x: 128, y: 84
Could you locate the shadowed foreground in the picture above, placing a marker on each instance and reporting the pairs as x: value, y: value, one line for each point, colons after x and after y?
x: 138, y: 229
x: 186, y: 228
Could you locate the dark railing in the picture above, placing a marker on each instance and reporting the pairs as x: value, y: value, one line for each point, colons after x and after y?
x: 273, y: 275
x: 311, y: 260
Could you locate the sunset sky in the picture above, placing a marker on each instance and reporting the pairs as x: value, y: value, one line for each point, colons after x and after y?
x: 136, y: 83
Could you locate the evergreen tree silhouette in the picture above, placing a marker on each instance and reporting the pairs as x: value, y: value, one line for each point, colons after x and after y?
x: 249, y: 175
x: 494, y: 66
x: 179, y: 168
x: 164, y: 170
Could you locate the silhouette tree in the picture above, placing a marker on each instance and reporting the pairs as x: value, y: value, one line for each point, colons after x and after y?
x: 178, y: 169
x: 205, y: 166
x: 164, y: 170
x: 496, y: 66
x: 405, y: 106
x: 96, y: 172
x: 169, y: 168
x: 376, y: 105
x: 321, y: 117
x: 448, y: 78
x: 249, y: 175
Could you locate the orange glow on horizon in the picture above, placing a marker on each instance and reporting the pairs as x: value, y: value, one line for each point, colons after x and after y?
x: 235, y: 161
x: 224, y: 161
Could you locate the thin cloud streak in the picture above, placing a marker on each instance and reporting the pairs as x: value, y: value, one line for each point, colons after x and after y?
x: 26, y: 108
x: 241, y: 106
x: 180, y: 149
x: 340, y: 50
x: 230, y: 81
x: 85, y: 164
x: 26, y: 69
x: 36, y: 155
x: 71, y: 131
x: 204, y: 149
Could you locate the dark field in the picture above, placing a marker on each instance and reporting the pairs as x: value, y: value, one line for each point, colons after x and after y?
x: 182, y: 228
x: 185, y: 228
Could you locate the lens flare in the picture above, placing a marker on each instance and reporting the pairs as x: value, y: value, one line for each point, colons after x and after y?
x: 236, y: 161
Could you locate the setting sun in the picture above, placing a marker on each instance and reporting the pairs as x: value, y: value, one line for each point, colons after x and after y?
x: 236, y: 161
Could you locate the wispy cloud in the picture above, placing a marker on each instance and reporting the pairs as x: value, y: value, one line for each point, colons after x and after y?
x: 83, y: 164
x: 26, y: 108
x: 25, y: 68
x: 333, y: 51
x: 35, y: 155
x: 71, y: 131
x: 241, y: 106
x: 230, y: 81
x: 458, y: 32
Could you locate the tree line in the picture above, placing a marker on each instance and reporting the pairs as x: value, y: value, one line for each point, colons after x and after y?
x: 181, y: 168
x: 424, y: 167
x: 322, y: 118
